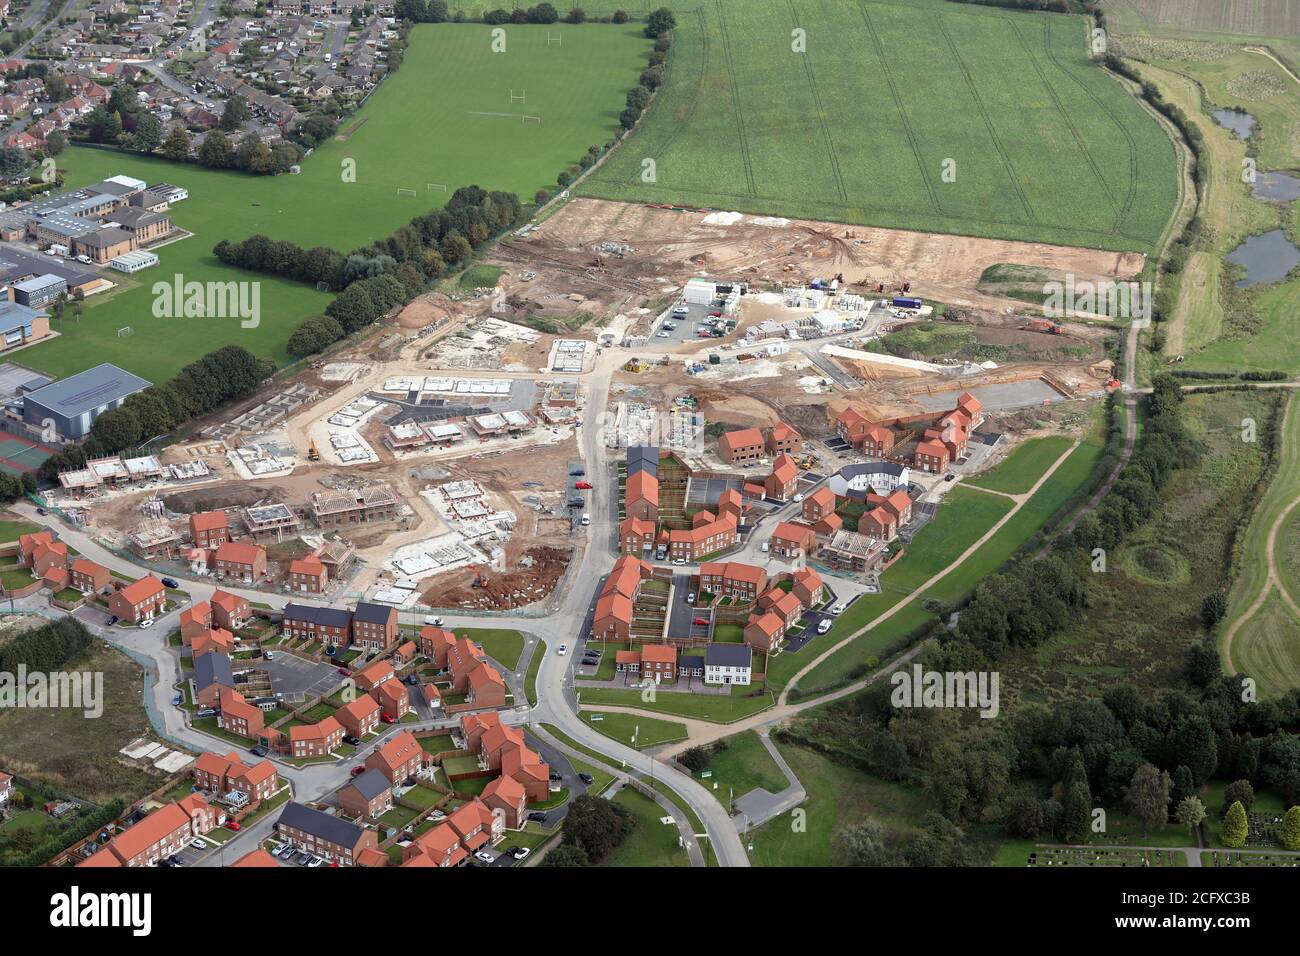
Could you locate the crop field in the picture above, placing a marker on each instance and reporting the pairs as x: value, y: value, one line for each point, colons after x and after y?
x: 434, y: 122
x: 1276, y: 22
x: 912, y: 114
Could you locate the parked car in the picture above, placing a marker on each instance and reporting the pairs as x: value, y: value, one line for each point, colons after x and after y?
x: 661, y: 335
x: 702, y: 622
x: 582, y: 485
x: 41, y: 511
x: 767, y: 546
x: 170, y: 583
x: 839, y: 608
x: 690, y: 598
x: 825, y: 625
x: 521, y: 852
x: 232, y: 825
x: 200, y: 844
x: 176, y: 701
x: 949, y: 477
x: 258, y: 751
x: 562, y: 649
x: 344, y: 671
x: 798, y: 498
x: 485, y: 856
x: 435, y: 621
x: 147, y: 622
x: 269, y: 655
x: 555, y: 775
x: 679, y: 560
x: 349, y: 739
x: 315, y: 861
x: 537, y: 816
x: 586, y: 778
x: 388, y: 718
x: 112, y: 620
x: 206, y: 712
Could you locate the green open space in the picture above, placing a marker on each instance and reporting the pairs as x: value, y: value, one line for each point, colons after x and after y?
x: 503, y: 646
x: 648, y: 731
x: 652, y: 842
x: 743, y: 766
x: 445, y: 117
x: 1017, y: 473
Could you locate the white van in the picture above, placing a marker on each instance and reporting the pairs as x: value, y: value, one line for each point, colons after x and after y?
x: 433, y: 621
x: 586, y: 518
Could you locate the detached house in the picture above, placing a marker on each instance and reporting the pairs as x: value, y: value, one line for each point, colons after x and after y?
x: 88, y: 577
x: 745, y: 444
x: 781, y: 483
x: 793, y: 540
x: 244, y: 562
x: 359, y: 717
x: 368, y: 796
x: 230, y: 610
x: 399, y: 759
x: 209, y: 529
x: 308, y: 575
x: 139, y: 601
x: 315, y: 740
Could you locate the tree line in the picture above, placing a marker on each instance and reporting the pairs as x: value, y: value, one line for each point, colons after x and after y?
x: 374, y: 279
x: 200, y: 387
x: 46, y: 648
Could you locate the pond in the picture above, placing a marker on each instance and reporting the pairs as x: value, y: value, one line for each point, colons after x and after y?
x: 1267, y: 258
x: 1240, y: 123
x: 1277, y: 187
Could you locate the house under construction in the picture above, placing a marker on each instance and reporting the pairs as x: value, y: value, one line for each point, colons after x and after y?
x: 336, y: 509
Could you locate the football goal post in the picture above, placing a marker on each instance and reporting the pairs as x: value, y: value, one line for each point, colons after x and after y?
x: 441, y: 187
x: 531, y: 119
x: 405, y: 192
x: 124, y: 331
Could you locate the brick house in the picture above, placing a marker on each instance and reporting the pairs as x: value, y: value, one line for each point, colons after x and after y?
x: 627, y: 662
x: 879, y: 522
x: 399, y: 759
x: 239, y: 560
x: 793, y: 540
x: 659, y: 663
x: 745, y: 444
x: 438, y: 847
x: 504, y: 749
x: 215, y: 641
x: 818, y: 505
x: 899, y: 504
x: 878, y: 441
x: 374, y: 626
x: 222, y: 775
x: 781, y: 483
x: 808, y: 587
x: 507, y: 795
x: 709, y: 535
x: 308, y: 575
x: 368, y: 796
x: 28, y: 543
x: 240, y: 717
x: 138, y: 601
x: 763, y: 632
x: 476, y: 825
x: 195, y: 620
x: 327, y: 624
x: 783, y: 440
x: 784, y: 604
x: 209, y: 529
x: 641, y: 496
x: 88, y: 577
x: 48, y: 556
x: 332, y: 838
x: 230, y: 610
x: 740, y: 582
x: 932, y: 456
x: 612, y: 620
x: 212, y: 678
x: 394, y: 699
x: 359, y: 717
x: 636, y: 536
x: 315, y: 740
x: 851, y: 425
x: 435, y: 642
x: 487, y: 688
x: 167, y: 830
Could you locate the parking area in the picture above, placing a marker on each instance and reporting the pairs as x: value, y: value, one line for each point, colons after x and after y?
x: 682, y: 614
x: 299, y: 679
x: 674, y: 329
x: 709, y: 490
x: 812, y: 620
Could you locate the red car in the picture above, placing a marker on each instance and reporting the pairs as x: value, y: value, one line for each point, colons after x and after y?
x: 357, y: 771
x: 232, y: 825
x: 344, y: 671
x: 388, y: 719
x: 715, y: 315
x: 582, y: 485
x: 702, y: 621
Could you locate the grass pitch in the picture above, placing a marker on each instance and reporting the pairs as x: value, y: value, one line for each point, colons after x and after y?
x: 433, y: 122
x: 912, y: 114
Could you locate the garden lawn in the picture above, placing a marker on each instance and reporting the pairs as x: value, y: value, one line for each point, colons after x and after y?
x: 650, y: 732
x: 501, y: 645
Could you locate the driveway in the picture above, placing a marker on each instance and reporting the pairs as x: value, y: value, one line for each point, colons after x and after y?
x: 299, y: 679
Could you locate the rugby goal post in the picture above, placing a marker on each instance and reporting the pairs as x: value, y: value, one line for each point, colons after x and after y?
x: 406, y: 192
x: 556, y: 40
x: 520, y: 96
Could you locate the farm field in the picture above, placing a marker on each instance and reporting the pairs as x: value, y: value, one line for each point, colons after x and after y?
x: 433, y: 122
x: 1010, y: 99
x: 1273, y: 22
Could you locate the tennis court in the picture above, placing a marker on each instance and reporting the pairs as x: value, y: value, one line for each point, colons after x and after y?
x: 18, y: 455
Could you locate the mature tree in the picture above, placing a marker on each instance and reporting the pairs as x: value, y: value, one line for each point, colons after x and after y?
x: 543, y: 13
x: 1289, y: 834
x: 661, y: 21
x: 235, y: 114
x: 564, y: 855
x: 176, y: 146
x: 56, y: 142
x: 596, y: 825
x: 1190, y: 813
x: 1213, y: 607
x: 1235, y: 826
x: 1193, y: 743
x: 147, y: 135
x: 253, y: 156
x: 1202, y: 664
x: 1024, y: 816
x: 13, y: 161
x: 1148, y: 797
x: 576, y: 15
x: 314, y: 335
x: 863, y: 844
x: 216, y: 151
x: 638, y: 97
x: 1239, y: 791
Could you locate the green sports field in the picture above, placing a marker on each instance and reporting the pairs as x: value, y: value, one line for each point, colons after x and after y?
x: 1044, y: 145
x: 431, y: 122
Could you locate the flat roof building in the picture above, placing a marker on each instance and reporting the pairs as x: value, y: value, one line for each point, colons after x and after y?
x: 75, y: 402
